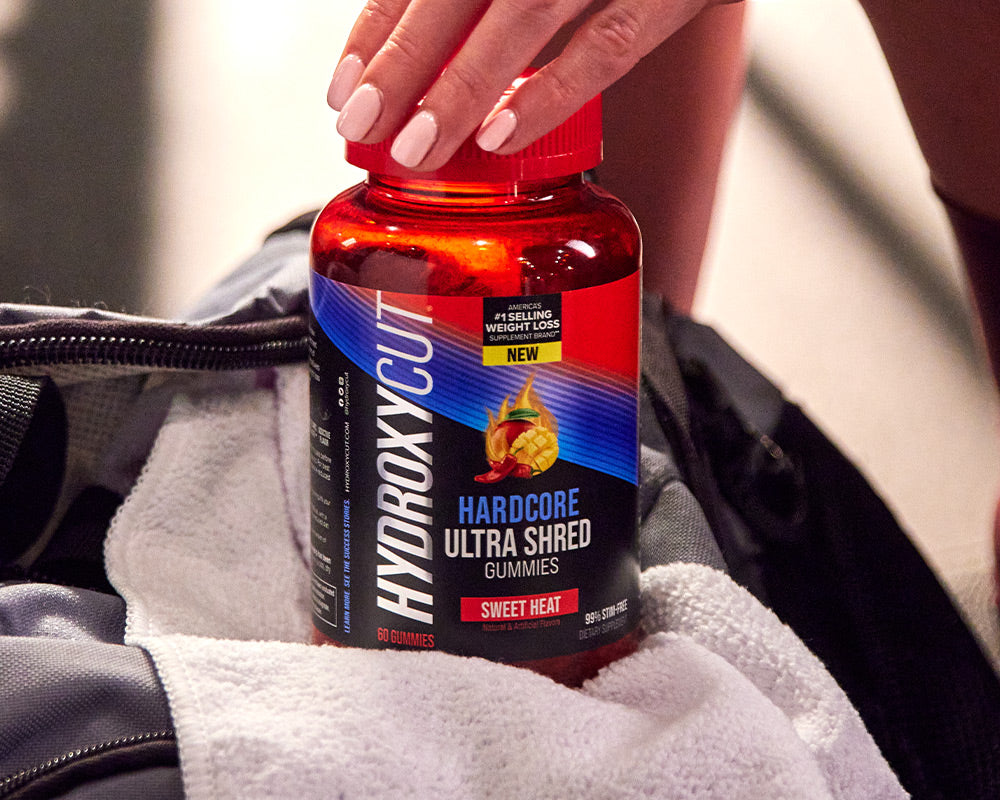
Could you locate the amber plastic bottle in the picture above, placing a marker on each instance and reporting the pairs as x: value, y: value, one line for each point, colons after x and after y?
x: 486, y: 257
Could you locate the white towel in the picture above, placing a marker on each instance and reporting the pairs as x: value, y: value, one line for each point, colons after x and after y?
x: 211, y: 539
x: 721, y: 701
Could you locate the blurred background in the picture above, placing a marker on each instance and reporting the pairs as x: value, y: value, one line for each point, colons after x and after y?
x: 147, y: 146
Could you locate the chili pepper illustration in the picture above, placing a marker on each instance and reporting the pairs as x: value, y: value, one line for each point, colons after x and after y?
x: 522, y: 439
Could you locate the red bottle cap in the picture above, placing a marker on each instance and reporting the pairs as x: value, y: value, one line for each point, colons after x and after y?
x: 574, y: 146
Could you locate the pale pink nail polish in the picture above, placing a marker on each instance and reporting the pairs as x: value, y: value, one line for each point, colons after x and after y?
x: 360, y: 112
x: 345, y: 81
x: 497, y: 130
x: 415, y: 140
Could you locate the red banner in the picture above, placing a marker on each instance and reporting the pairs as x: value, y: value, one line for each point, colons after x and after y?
x: 528, y: 606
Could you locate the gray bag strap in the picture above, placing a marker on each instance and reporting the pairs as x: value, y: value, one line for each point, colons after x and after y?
x: 660, y: 370
x: 674, y: 526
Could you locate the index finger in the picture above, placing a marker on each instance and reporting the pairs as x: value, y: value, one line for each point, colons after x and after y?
x: 393, y: 60
x: 606, y: 46
x: 369, y: 33
x: 499, y: 49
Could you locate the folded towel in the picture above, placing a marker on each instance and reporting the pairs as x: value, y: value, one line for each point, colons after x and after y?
x: 211, y: 540
x: 721, y: 701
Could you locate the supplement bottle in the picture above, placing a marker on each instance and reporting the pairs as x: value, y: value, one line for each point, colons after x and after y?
x: 474, y: 376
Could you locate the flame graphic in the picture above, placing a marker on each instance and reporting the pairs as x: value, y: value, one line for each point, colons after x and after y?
x: 522, y: 438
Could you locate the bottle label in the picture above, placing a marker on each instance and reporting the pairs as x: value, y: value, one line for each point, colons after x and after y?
x: 475, y: 469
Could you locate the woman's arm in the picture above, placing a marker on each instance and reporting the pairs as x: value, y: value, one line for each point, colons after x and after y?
x: 665, y: 126
x: 945, y: 58
x: 396, y: 51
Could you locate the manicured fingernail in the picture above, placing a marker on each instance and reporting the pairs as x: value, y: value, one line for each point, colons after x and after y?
x: 416, y: 139
x: 497, y: 130
x: 359, y: 113
x: 345, y: 81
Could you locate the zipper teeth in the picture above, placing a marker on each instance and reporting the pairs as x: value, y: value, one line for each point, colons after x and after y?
x: 19, y: 779
x: 143, y: 352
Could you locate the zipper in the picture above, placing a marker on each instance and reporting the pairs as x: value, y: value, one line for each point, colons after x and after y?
x: 48, y: 769
x: 153, y: 344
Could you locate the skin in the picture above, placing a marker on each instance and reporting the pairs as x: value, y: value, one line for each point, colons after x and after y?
x: 943, y: 57
x: 583, y: 48
x: 405, y: 43
x: 645, y: 117
x: 688, y: 52
x: 944, y: 60
x: 671, y: 71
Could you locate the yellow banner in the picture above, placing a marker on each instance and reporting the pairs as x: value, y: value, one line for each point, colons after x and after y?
x: 501, y: 355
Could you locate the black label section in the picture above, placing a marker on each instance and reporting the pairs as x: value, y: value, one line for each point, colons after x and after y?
x: 410, y: 550
x: 522, y: 320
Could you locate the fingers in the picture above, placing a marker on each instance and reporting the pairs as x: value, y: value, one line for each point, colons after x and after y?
x: 394, y: 53
x: 502, y: 45
x: 371, y: 30
x: 395, y: 56
x: 397, y: 50
x: 605, y: 48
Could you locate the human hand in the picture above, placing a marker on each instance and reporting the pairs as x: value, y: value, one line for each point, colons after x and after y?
x: 397, y: 52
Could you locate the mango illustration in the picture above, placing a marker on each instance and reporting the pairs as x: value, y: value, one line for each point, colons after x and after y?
x: 522, y: 439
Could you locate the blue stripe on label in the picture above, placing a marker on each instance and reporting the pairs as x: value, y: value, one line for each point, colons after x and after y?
x: 597, y: 420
